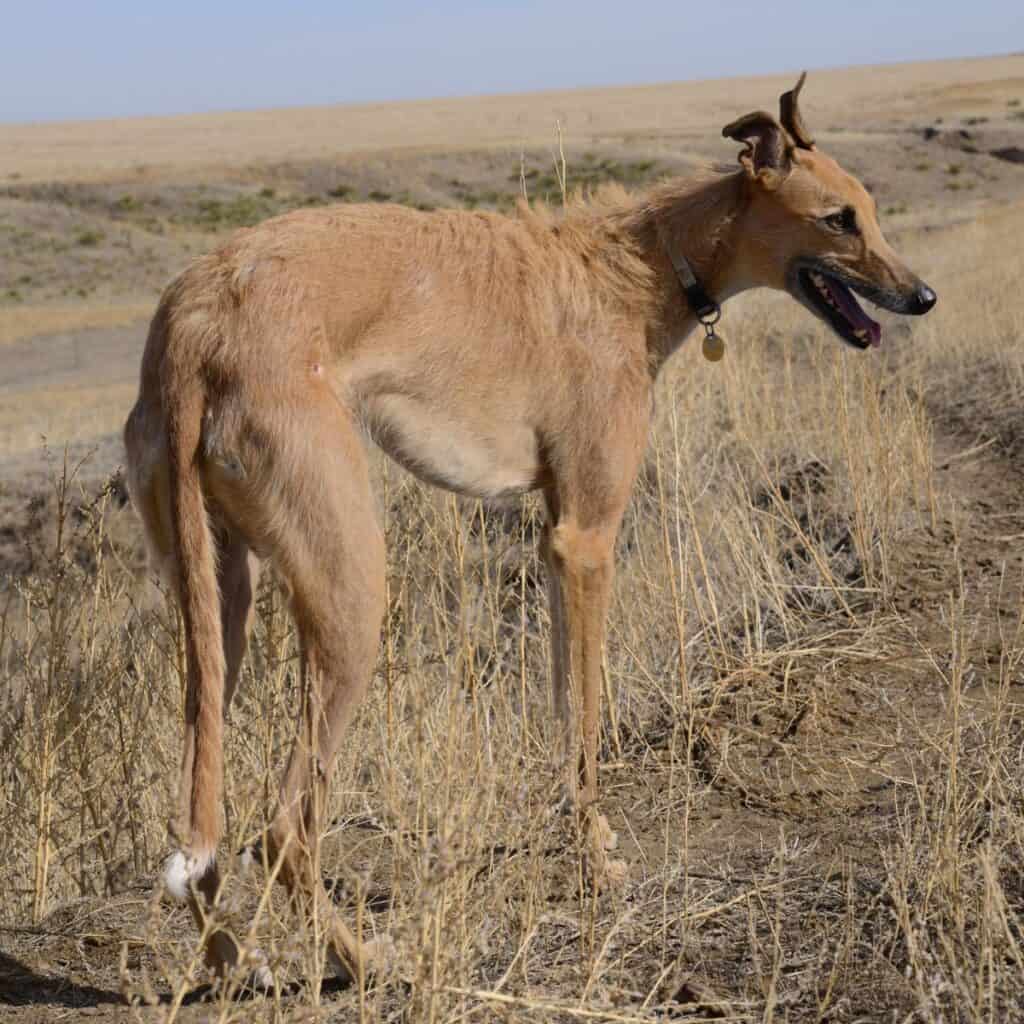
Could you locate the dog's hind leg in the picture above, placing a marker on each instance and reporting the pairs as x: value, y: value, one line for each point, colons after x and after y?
x: 336, y: 566
x: 307, y: 505
x: 238, y: 572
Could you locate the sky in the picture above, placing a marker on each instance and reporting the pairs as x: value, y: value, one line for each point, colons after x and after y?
x: 113, y: 58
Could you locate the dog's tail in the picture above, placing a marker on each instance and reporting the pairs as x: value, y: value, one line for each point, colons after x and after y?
x: 200, y: 603
x: 173, y: 380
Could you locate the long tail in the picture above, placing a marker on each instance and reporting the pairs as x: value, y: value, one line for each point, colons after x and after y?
x: 184, y: 396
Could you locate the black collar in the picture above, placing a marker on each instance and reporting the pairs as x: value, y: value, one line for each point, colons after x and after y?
x: 703, y: 306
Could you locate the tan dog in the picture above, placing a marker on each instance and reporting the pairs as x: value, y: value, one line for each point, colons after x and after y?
x: 490, y: 356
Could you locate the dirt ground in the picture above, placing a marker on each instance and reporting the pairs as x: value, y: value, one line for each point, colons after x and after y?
x: 812, y: 768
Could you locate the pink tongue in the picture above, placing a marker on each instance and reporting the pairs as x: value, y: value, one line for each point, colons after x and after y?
x: 850, y: 308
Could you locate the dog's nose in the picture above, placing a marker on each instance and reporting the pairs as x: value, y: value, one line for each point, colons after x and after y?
x: 923, y: 300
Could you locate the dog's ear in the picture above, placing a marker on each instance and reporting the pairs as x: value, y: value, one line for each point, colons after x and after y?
x: 789, y: 115
x: 767, y: 156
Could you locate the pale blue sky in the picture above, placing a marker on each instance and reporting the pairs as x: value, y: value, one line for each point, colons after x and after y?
x: 104, y: 58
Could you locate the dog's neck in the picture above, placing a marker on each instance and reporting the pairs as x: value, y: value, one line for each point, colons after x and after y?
x: 698, y: 221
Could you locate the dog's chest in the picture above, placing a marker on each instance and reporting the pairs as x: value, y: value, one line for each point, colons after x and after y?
x: 478, y: 452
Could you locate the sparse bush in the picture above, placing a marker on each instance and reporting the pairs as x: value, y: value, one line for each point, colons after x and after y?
x: 244, y: 211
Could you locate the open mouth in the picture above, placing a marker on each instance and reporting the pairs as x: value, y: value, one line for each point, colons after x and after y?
x: 835, y: 303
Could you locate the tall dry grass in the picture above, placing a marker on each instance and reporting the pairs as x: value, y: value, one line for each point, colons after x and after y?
x: 811, y: 743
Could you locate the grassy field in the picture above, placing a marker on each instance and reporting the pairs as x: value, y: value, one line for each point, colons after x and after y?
x: 813, y: 745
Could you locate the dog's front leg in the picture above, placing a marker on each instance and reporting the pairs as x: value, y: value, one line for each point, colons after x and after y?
x: 581, y: 565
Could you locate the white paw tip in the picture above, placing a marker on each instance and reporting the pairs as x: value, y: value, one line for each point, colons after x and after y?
x: 180, y: 871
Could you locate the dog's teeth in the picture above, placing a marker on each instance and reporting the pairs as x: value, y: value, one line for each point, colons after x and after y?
x: 860, y: 333
x: 826, y: 293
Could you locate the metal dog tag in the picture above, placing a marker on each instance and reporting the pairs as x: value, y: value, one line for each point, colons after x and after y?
x: 713, y: 347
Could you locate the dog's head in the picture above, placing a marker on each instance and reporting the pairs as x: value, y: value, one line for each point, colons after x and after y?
x: 811, y: 229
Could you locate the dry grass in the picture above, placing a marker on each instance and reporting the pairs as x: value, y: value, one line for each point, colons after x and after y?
x: 812, y: 746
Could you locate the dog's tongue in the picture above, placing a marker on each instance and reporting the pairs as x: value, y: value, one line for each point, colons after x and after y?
x: 850, y: 308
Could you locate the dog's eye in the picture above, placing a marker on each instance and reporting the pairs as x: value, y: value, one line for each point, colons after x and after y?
x: 842, y: 222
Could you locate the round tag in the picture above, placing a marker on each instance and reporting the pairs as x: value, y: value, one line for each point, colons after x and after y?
x: 713, y: 347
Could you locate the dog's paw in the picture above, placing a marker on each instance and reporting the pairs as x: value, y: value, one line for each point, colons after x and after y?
x: 378, y: 957
x: 260, y: 977
x: 616, y: 874
x: 603, y: 835
x: 603, y: 873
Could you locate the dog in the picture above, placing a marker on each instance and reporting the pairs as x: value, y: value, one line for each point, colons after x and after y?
x: 489, y: 355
